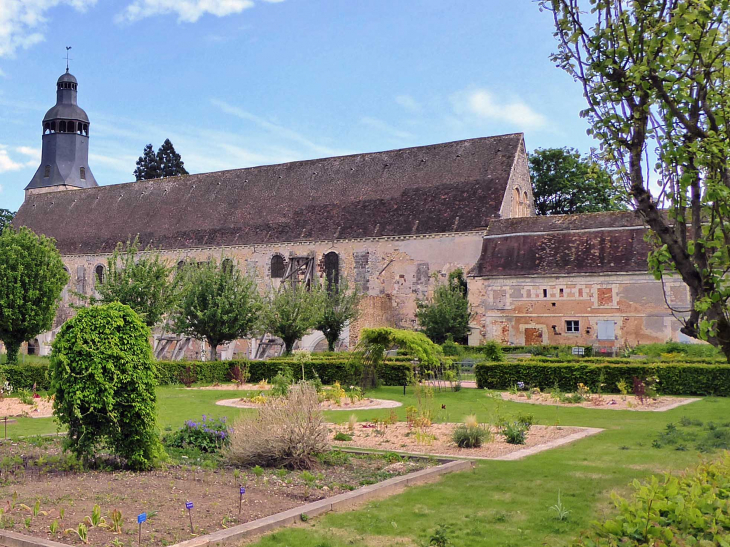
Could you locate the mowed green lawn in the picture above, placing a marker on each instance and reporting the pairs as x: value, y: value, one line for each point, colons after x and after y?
x: 496, y: 504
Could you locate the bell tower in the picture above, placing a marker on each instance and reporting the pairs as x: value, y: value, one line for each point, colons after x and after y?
x: 65, y: 157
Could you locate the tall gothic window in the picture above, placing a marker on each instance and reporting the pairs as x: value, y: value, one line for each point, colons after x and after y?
x: 99, y: 271
x: 332, y: 269
x: 277, y: 267
x: 62, y: 127
x: 82, y: 173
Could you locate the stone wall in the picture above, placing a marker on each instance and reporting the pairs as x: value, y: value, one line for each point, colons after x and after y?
x: 604, y: 310
x: 392, y: 272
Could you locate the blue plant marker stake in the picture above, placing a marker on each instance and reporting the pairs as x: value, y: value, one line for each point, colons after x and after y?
x: 189, y: 506
x: 142, y: 517
x: 242, y: 491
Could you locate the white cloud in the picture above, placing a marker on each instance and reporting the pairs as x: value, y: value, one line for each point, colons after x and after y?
x: 22, y: 22
x: 409, y: 103
x: 33, y: 153
x: 380, y: 125
x: 483, y: 104
x: 273, y: 128
x: 187, y: 11
x: 7, y: 163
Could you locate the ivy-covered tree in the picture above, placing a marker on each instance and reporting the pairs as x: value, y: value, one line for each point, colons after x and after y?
x: 218, y: 304
x: 656, y: 77
x: 32, y: 277
x: 147, y: 166
x: 565, y: 183
x: 340, y: 306
x: 141, y: 280
x: 291, y: 312
x: 6, y: 217
x: 104, y: 379
x: 169, y: 161
x: 447, y: 314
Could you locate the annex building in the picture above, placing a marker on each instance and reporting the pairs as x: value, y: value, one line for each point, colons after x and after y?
x: 393, y: 223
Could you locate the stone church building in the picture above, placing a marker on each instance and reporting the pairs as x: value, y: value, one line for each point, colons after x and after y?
x: 393, y: 223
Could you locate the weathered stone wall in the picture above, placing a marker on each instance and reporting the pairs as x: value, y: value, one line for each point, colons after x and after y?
x: 393, y: 272
x: 610, y: 310
x: 518, y: 200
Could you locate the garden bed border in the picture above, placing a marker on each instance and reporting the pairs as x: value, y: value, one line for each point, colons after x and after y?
x: 257, y: 527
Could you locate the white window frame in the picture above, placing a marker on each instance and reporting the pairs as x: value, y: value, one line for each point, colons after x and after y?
x: 572, y: 326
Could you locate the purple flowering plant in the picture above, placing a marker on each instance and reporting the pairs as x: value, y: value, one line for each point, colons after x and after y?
x: 207, y: 435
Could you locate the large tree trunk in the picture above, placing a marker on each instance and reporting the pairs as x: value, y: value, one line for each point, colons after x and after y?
x: 213, y: 351
x: 13, y: 349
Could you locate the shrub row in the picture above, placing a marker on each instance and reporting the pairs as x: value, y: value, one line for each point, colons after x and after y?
x: 626, y: 360
x: 346, y: 370
x: 674, y: 378
x: 26, y: 375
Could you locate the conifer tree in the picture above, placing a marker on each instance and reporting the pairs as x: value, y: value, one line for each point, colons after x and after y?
x: 169, y: 161
x: 147, y: 166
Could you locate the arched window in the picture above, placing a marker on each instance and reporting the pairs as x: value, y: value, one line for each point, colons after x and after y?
x: 46, y: 128
x: 62, y: 127
x: 516, y: 202
x: 277, y: 267
x: 70, y: 126
x: 47, y: 171
x: 99, y: 270
x: 227, y: 265
x: 86, y: 129
x: 82, y: 173
x: 332, y: 270
x: 53, y: 127
x: 526, y: 203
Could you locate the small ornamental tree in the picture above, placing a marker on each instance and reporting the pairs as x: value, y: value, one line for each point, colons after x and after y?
x: 447, y: 314
x: 31, y: 280
x: 218, y: 304
x: 141, y: 281
x: 340, y: 307
x: 291, y: 312
x: 104, y: 379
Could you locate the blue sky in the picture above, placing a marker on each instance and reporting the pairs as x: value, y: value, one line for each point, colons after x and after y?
x: 237, y: 83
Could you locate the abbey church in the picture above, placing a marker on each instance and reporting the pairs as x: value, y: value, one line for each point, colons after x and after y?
x: 392, y: 223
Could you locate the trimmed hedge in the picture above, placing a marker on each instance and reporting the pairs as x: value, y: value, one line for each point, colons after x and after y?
x: 626, y: 360
x: 674, y: 378
x: 24, y: 376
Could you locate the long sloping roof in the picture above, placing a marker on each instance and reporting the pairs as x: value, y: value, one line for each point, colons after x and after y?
x: 456, y: 186
x: 564, y: 244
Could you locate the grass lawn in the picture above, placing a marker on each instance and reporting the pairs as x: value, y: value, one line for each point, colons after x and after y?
x: 498, y: 503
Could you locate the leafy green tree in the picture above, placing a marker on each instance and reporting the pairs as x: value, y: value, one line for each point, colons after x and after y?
x: 656, y: 77
x: 104, y: 379
x: 291, y: 312
x: 447, y: 314
x: 565, y: 183
x: 147, y: 166
x: 6, y: 217
x: 218, y: 304
x: 142, y: 281
x: 169, y: 161
x: 32, y: 277
x: 340, y: 307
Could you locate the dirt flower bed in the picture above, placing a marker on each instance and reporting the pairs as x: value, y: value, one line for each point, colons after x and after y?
x: 345, y: 404
x: 12, y: 407
x: 42, y: 486
x: 436, y: 439
x: 612, y: 402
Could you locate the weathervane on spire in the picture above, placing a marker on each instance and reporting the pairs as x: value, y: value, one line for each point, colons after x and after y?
x: 67, y: 59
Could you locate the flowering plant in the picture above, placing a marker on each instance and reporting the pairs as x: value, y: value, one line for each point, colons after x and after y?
x: 207, y: 435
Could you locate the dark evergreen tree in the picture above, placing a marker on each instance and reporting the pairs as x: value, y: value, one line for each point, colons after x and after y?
x: 147, y: 166
x: 169, y: 161
x: 6, y: 217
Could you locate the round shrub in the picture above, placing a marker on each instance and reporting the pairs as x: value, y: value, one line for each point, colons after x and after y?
x: 470, y: 436
x: 104, y: 379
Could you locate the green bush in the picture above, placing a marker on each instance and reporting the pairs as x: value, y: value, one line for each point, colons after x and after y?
x: 673, y: 510
x: 470, y: 436
x: 208, y: 435
x: 104, y: 381
x: 515, y: 432
x: 674, y: 378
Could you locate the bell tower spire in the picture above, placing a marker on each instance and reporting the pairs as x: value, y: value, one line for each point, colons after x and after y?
x: 65, y: 157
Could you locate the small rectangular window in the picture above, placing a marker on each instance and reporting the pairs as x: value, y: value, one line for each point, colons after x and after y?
x: 47, y: 171
x: 82, y: 173
x: 562, y: 292
x: 572, y: 327
x: 544, y: 293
